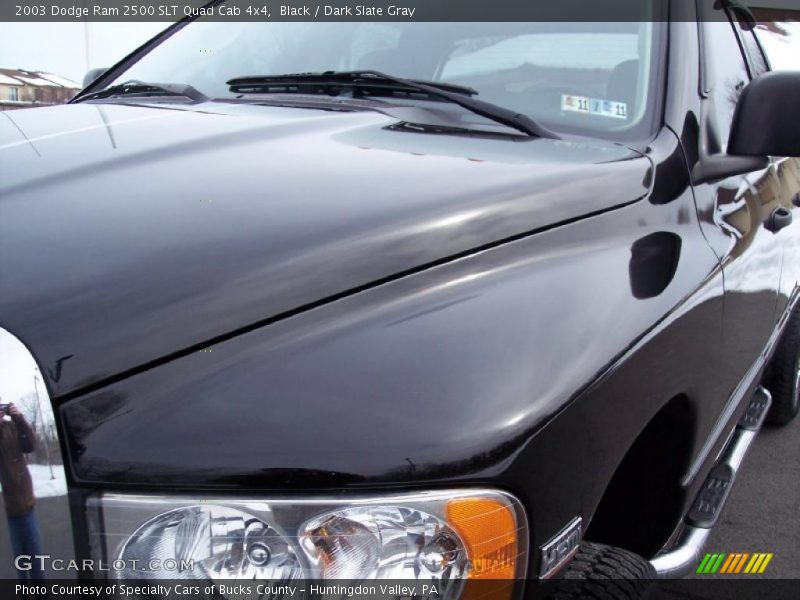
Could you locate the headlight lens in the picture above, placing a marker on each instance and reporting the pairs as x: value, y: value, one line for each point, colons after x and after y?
x: 438, y: 537
x: 384, y: 542
x: 207, y: 542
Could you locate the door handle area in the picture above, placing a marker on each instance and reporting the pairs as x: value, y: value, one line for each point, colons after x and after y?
x: 781, y: 217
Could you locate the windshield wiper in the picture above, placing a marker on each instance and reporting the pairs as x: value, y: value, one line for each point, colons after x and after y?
x: 145, y: 89
x: 327, y: 82
x: 330, y: 81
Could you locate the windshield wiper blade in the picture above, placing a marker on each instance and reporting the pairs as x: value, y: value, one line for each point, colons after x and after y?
x: 325, y: 82
x: 144, y: 89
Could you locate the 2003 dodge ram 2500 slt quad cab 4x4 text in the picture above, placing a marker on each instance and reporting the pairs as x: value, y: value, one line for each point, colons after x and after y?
x: 404, y: 300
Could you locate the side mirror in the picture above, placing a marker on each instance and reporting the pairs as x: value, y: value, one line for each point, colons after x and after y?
x: 92, y: 75
x: 766, y: 121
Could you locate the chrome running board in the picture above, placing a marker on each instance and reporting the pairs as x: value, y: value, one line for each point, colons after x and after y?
x: 684, y: 554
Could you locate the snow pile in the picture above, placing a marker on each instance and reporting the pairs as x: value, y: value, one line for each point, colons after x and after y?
x: 44, y: 486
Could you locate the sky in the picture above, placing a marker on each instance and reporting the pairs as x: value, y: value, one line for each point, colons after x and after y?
x: 783, y: 51
x: 17, y: 370
x: 60, y: 48
x: 19, y: 377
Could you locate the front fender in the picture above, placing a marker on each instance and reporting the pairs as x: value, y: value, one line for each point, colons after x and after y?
x: 439, y: 376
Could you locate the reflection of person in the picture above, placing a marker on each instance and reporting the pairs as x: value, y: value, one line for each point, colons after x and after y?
x: 17, y: 438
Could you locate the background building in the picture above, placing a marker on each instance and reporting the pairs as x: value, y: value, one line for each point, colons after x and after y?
x: 26, y: 89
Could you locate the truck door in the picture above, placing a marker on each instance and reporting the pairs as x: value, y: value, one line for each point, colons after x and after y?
x: 780, y: 50
x: 738, y: 210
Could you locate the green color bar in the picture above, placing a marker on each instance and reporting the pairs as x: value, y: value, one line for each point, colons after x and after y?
x: 718, y: 564
x: 703, y: 564
x: 710, y: 564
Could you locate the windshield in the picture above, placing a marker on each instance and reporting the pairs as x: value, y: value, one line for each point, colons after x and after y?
x: 586, y: 78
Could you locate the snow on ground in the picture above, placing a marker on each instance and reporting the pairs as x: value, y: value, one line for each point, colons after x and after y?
x: 44, y: 486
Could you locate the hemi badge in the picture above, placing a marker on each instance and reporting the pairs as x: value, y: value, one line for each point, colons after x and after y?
x: 561, y: 548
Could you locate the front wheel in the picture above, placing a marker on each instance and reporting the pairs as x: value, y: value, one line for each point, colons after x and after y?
x: 782, y: 378
x: 600, y: 571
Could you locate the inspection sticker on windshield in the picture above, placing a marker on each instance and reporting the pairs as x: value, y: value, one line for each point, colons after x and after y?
x: 594, y: 106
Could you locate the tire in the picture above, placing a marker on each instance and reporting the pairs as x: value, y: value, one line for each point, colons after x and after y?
x: 782, y: 378
x: 604, y: 573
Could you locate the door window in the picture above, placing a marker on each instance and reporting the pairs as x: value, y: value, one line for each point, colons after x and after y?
x: 726, y: 73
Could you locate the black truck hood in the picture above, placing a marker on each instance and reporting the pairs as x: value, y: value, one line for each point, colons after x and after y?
x: 129, y: 233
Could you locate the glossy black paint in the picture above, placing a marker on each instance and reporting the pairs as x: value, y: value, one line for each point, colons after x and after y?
x: 344, y: 307
x: 764, y: 124
x: 190, y: 245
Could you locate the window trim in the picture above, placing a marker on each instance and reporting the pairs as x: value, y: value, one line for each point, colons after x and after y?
x: 741, y: 33
x: 709, y: 121
x: 702, y: 5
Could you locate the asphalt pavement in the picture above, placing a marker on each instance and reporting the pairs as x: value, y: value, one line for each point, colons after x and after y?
x: 56, y: 539
x: 763, y: 510
x: 762, y: 515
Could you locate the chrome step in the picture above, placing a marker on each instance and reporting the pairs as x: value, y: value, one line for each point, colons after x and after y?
x: 684, y: 553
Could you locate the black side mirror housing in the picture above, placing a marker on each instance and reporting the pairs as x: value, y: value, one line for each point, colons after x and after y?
x: 92, y: 75
x: 766, y: 121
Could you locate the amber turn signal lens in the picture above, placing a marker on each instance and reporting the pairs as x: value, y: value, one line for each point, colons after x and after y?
x: 489, y: 529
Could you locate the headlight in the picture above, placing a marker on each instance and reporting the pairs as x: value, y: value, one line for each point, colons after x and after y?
x: 437, y: 537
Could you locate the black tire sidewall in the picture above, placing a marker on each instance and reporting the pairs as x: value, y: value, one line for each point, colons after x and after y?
x: 782, y: 378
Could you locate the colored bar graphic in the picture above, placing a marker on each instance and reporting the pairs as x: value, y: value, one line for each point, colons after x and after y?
x: 737, y: 558
x: 728, y: 563
x: 741, y: 563
x: 766, y: 562
x: 710, y: 564
x: 718, y: 564
x: 734, y: 563
x: 734, y: 558
x: 752, y: 563
x: 702, y: 566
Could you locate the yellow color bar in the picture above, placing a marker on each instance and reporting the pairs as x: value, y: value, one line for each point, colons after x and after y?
x: 752, y: 563
x: 759, y: 559
x: 764, y: 564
